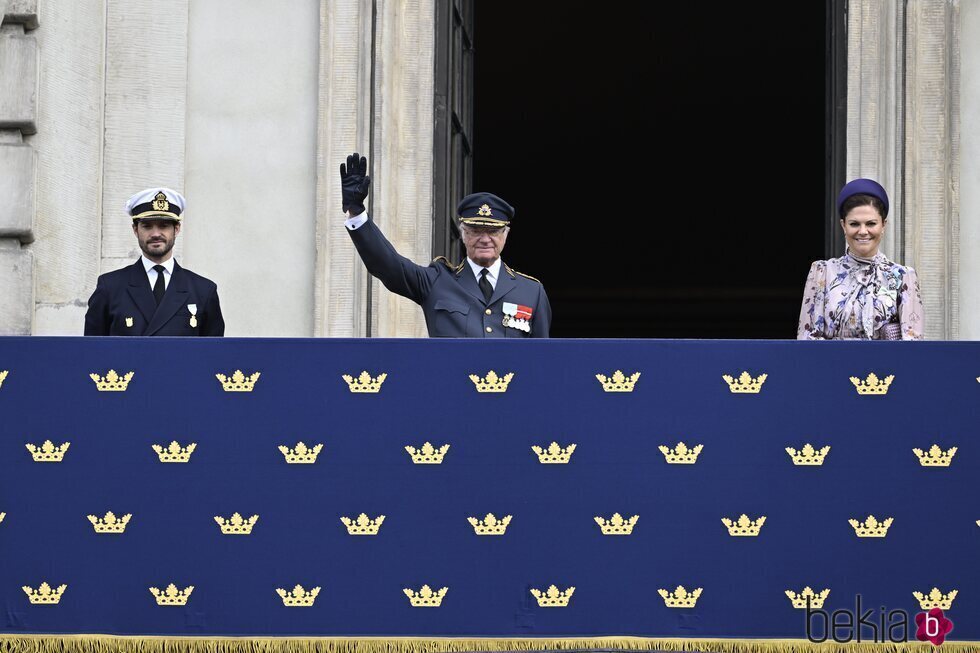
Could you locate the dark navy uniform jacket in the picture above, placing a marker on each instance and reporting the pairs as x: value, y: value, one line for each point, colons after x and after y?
x: 449, y: 296
x: 123, y: 305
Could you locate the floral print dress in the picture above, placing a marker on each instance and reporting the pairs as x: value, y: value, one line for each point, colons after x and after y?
x: 852, y: 298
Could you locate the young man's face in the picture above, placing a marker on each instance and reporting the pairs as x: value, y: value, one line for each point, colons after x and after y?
x: 156, y: 237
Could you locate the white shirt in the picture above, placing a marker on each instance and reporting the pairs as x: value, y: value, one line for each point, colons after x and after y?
x: 357, y: 221
x: 151, y: 274
x: 492, y: 271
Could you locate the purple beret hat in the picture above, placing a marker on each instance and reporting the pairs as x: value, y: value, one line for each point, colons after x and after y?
x: 862, y: 187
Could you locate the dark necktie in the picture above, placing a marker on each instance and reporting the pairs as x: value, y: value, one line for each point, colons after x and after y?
x: 485, y: 285
x: 159, y: 287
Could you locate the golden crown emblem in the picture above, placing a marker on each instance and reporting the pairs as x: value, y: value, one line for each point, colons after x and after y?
x: 485, y: 211
x: 743, y: 526
x: 427, y: 454
x: 616, y: 525
x: 44, y: 594
x: 172, y: 596
x: 48, y: 452
x: 298, y: 597
x: 808, y: 597
x: 112, y: 382
x: 236, y: 524
x: 365, y: 382
x: 935, y: 457
x: 553, y: 597
x: 681, y: 454
x: 160, y: 202
x: 554, y: 454
x: 873, y: 385
x: 489, y: 525
x: 745, y: 384
x: 425, y: 597
x: 871, y: 527
x: 618, y: 382
x: 680, y: 597
x: 301, y: 454
x: 808, y: 455
x: 3, y: 375
x: 238, y: 382
x: 174, y: 453
x: 363, y: 525
x: 110, y: 523
x: 492, y: 382
x: 935, y: 599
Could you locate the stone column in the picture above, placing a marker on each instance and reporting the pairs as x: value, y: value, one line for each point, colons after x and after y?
x: 18, y: 120
x: 903, y: 130
x: 376, y: 97
x: 969, y: 227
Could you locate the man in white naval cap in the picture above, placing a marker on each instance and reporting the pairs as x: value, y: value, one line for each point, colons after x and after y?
x: 154, y: 296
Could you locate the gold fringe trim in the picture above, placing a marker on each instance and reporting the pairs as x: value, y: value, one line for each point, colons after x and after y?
x: 117, y: 644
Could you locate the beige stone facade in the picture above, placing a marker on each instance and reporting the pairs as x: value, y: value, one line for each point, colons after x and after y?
x: 251, y: 111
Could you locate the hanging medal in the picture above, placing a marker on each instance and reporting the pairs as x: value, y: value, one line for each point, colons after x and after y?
x: 193, y: 310
x: 517, y: 317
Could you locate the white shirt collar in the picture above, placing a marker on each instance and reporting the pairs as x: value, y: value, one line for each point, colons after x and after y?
x: 492, y: 272
x: 168, y: 265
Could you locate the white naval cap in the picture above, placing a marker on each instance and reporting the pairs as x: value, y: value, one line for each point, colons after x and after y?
x: 156, y: 203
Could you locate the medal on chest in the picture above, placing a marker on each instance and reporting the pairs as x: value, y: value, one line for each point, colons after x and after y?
x: 517, y: 317
x: 192, y: 308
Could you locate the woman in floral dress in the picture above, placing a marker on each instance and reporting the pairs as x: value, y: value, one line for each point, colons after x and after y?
x: 861, y: 295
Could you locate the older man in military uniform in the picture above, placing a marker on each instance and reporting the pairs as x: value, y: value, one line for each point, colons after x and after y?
x: 154, y: 296
x: 482, y: 297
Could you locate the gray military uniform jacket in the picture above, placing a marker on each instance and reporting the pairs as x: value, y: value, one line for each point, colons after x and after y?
x: 450, y: 298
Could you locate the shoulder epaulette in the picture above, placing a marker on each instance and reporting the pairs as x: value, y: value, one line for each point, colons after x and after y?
x: 445, y: 261
x: 527, y: 276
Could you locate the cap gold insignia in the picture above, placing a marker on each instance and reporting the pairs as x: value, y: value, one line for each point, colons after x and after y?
x: 680, y: 597
x: 618, y: 382
x: 238, y: 382
x: 425, y: 597
x: 112, y: 382
x: 298, y: 597
x: 935, y: 599
x: 3, y: 375
x: 174, y: 453
x: 44, y: 595
x: 301, y: 454
x: 745, y: 384
x: 808, y: 455
x: 553, y: 597
x: 427, y: 454
x: 172, y: 596
x: 485, y: 211
x: 160, y: 202
x: 129, y: 322
x: 807, y: 598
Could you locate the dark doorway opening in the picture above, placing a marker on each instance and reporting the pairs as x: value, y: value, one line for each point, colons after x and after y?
x: 666, y: 160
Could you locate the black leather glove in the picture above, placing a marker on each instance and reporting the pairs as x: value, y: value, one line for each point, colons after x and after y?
x: 354, y: 183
